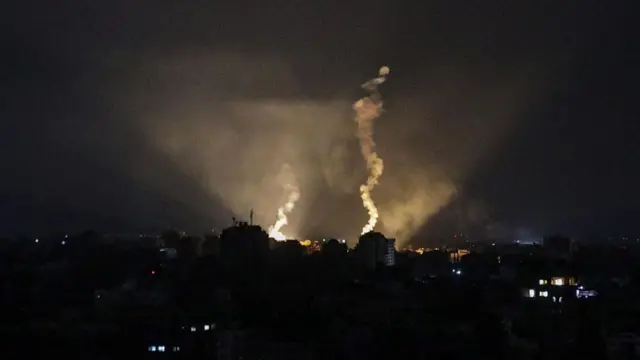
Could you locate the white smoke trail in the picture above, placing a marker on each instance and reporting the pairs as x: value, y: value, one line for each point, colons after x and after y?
x: 294, y: 194
x: 368, y: 109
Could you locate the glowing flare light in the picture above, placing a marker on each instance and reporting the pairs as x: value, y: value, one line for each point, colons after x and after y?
x: 274, y: 230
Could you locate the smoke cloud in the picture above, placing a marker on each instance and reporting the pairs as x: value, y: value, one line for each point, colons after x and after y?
x: 170, y: 107
x: 415, y: 196
x: 229, y: 122
x: 367, y: 110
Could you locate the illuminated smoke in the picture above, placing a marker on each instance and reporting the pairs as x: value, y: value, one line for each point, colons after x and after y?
x: 415, y: 197
x: 293, y: 195
x: 368, y: 109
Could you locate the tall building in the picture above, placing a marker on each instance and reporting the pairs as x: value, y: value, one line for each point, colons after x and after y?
x: 334, y: 248
x: 244, y: 246
x: 390, y: 256
x: 374, y: 249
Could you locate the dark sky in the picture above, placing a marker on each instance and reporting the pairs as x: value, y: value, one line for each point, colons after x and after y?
x: 507, y: 116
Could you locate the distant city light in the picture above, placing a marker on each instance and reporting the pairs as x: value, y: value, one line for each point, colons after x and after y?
x: 37, y: 240
x: 162, y: 348
x: 153, y: 272
x: 585, y: 293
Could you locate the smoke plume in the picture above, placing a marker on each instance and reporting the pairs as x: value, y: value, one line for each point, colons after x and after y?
x: 414, y: 198
x: 293, y: 192
x: 228, y: 121
x: 368, y: 109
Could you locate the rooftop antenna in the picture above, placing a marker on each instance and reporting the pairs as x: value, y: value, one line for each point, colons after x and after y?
x: 251, y: 217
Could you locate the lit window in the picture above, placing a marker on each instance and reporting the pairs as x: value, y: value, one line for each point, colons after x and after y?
x: 586, y: 293
x: 560, y: 299
x: 544, y: 293
x: 176, y: 348
x: 206, y: 328
x: 193, y: 329
x: 557, y: 281
x: 531, y: 293
x: 542, y: 282
x: 161, y: 348
x: 152, y: 348
x: 554, y: 299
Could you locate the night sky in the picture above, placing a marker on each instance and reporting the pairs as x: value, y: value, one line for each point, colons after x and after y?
x: 503, y: 118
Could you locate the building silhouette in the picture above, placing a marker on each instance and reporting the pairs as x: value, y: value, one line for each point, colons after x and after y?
x: 243, y: 247
x: 288, y: 250
x: 374, y: 250
x: 334, y: 248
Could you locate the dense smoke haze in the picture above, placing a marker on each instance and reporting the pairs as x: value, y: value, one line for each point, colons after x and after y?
x: 143, y: 116
x: 233, y: 144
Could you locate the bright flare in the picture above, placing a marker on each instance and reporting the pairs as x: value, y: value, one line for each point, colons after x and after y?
x: 368, y: 109
x: 294, y: 195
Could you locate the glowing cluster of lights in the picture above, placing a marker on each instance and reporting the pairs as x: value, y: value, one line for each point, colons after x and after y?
x: 581, y: 293
x: 163, y: 348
